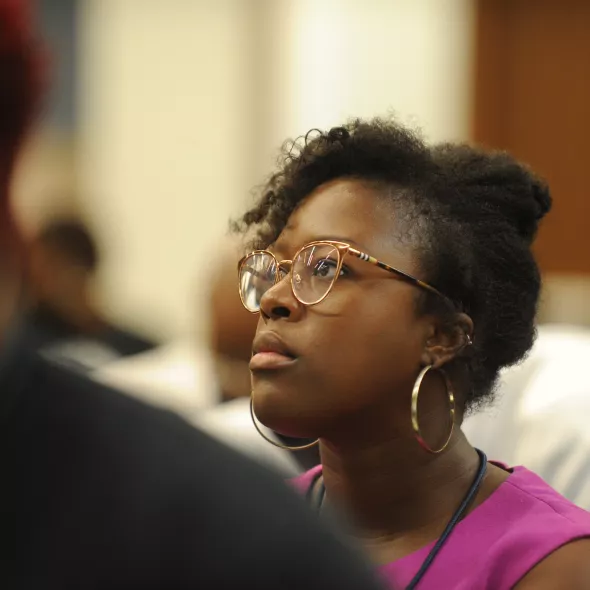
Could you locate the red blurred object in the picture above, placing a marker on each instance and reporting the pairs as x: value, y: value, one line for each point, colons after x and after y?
x: 21, y: 82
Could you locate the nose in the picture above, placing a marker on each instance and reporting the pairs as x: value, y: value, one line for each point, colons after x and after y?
x: 280, y: 303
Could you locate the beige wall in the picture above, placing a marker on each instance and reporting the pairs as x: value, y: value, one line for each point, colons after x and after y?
x: 342, y: 58
x: 565, y: 299
x: 162, y: 134
x: 185, y: 101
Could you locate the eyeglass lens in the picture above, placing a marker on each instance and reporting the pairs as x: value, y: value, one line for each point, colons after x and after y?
x: 314, y: 272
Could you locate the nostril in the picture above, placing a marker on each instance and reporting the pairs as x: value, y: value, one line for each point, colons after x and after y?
x: 280, y: 311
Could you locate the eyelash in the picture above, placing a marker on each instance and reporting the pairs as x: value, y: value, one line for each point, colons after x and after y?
x: 345, y: 270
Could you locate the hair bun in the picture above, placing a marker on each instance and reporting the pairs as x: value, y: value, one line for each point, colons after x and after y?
x: 499, y: 184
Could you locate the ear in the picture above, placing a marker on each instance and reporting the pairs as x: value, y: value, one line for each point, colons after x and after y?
x: 447, y: 339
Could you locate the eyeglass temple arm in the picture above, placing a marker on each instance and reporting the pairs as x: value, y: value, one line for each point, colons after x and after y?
x: 400, y: 273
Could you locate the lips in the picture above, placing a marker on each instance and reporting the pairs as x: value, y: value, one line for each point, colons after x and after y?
x: 270, y: 353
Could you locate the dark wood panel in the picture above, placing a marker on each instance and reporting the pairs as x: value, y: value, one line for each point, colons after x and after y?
x: 532, y: 97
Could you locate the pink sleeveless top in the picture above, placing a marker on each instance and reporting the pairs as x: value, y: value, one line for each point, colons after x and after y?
x: 496, y: 544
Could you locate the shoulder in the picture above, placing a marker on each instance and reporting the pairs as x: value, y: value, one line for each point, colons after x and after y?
x: 79, y: 420
x: 546, y: 504
x: 61, y: 387
x: 567, y: 568
x: 523, y: 524
x: 91, y: 430
x: 106, y: 448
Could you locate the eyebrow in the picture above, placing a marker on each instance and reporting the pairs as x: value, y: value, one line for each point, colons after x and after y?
x: 342, y: 239
x: 350, y: 241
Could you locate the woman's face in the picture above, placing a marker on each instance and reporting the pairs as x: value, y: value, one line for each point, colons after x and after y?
x: 358, y: 352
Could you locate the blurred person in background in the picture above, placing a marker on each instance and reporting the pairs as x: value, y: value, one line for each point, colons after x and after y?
x: 231, y: 327
x: 63, y: 321
x: 101, y: 491
x: 393, y: 281
x: 188, y: 375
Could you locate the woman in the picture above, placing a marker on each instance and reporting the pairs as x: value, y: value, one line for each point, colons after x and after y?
x: 397, y: 280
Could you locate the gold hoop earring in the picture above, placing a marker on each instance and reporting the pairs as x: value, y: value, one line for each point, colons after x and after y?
x: 416, y: 422
x: 273, y: 442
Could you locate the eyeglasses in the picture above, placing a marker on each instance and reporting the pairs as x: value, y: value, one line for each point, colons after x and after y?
x: 313, y: 272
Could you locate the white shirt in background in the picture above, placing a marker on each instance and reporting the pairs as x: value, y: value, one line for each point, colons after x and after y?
x: 231, y: 422
x: 542, y: 414
x: 177, y: 377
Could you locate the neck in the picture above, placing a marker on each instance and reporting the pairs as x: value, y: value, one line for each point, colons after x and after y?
x: 392, y: 487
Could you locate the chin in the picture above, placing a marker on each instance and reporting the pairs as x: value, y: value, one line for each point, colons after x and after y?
x: 279, y: 409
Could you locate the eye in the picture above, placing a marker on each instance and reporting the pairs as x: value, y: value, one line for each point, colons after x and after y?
x: 326, y: 269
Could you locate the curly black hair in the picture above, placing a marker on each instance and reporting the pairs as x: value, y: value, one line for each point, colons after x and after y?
x: 471, y: 217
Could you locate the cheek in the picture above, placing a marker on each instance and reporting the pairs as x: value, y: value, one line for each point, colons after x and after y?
x: 368, y: 357
x: 354, y: 360
x: 359, y: 357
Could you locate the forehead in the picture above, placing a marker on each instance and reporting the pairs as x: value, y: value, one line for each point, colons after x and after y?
x: 342, y: 209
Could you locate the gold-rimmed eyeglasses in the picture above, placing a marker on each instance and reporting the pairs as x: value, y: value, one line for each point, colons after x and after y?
x: 313, y: 272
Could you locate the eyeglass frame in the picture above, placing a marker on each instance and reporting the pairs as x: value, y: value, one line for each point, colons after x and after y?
x: 342, y: 248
